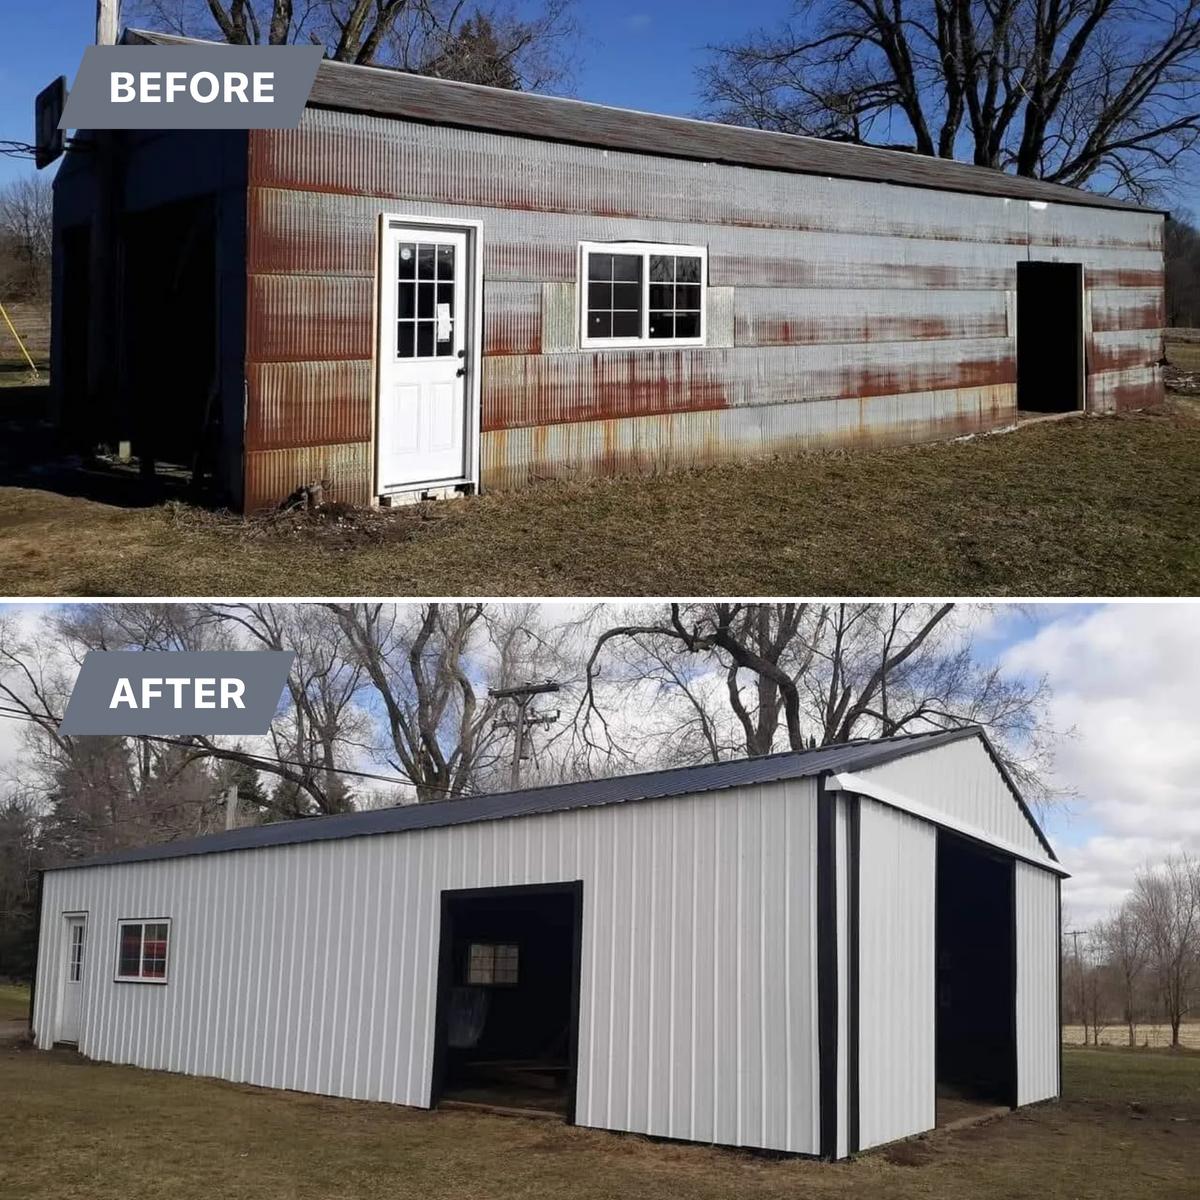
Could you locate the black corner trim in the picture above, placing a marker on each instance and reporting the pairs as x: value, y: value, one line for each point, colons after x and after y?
x: 827, y: 969
x: 853, y: 876
x: 1015, y: 1085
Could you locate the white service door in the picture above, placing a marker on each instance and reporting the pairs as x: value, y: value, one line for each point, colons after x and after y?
x: 72, y: 1005
x: 423, y: 358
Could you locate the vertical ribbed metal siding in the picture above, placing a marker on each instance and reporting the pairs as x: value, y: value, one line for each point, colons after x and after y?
x: 896, y: 945
x: 961, y: 779
x: 1037, y: 985
x: 313, y: 967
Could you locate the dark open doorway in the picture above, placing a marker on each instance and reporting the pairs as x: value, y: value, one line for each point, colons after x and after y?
x: 170, y: 342
x: 1050, y: 366
x: 508, y: 998
x: 976, y: 977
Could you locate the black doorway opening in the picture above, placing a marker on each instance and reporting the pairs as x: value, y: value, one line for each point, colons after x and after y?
x: 1050, y: 365
x: 508, y: 998
x: 976, y: 977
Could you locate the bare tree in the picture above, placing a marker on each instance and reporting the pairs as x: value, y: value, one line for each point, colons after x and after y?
x: 1166, y: 902
x: 1098, y: 92
x: 753, y: 678
x: 1123, y: 946
x: 1181, y: 259
x: 26, y: 236
x: 503, y: 44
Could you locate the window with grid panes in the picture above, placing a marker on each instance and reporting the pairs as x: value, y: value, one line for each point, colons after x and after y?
x: 491, y: 964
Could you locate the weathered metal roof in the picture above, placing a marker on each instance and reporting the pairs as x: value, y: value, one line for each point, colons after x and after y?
x: 390, y: 93
x: 564, y: 797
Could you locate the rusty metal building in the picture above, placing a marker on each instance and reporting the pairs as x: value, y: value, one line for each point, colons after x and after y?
x: 431, y: 285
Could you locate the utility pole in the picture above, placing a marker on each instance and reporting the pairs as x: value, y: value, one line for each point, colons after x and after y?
x: 1074, y: 934
x: 521, y: 695
x: 231, y: 807
x: 108, y: 18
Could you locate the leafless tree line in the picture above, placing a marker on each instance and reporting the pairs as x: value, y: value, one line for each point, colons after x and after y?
x: 1141, y: 963
x: 1098, y: 93
x: 392, y: 703
x: 500, y: 43
x: 26, y: 225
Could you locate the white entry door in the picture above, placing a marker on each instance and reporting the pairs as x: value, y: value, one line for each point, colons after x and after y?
x: 424, y: 358
x: 72, y: 1003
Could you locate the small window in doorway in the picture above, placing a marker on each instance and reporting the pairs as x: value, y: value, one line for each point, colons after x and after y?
x: 75, y: 972
x: 492, y: 964
x: 142, y: 953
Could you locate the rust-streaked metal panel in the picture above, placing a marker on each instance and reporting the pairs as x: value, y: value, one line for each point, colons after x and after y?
x: 306, y: 318
x: 512, y: 318
x: 273, y: 475
x: 291, y: 405
x: 390, y: 94
x: 1114, y: 391
x: 332, y: 234
x: 1127, y: 308
x: 514, y: 457
x: 791, y: 316
x: 624, y: 383
x: 1124, y: 350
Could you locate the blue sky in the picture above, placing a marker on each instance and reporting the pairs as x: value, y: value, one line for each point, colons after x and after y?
x: 634, y: 54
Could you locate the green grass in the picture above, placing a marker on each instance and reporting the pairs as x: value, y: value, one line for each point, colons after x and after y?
x: 1127, y: 1127
x: 14, y: 1001
x: 1087, y: 507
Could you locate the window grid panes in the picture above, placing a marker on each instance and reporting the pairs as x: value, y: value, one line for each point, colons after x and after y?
x: 425, y: 282
x: 143, y: 950
x: 76, y: 971
x: 641, y: 296
x: 489, y: 963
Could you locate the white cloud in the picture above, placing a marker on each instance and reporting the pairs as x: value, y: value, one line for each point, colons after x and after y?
x: 1124, y: 678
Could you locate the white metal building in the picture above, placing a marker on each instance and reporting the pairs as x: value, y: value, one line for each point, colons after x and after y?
x: 800, y: 953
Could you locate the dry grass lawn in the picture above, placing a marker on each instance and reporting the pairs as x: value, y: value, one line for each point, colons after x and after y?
x: 1085, y: 507
x: 14, y: 1001
x: 1130, y: 1126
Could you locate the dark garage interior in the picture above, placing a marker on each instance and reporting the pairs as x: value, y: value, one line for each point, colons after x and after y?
x: 1050, y: 365
x: 508, y: 998
x: 976, y: 976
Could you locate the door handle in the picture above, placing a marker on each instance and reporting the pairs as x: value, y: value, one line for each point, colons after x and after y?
x: 461, y: 372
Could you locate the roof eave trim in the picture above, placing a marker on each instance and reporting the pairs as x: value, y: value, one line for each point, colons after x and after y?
x: 847, y: 781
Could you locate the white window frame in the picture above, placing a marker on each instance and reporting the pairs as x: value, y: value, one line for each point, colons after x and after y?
x: 645, y: 249
x: 122, y: 923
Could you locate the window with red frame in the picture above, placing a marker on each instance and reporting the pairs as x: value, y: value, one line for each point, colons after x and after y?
x: 142, y: 955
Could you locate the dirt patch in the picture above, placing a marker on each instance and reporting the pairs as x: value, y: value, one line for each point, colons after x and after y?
x: 909, y: 1154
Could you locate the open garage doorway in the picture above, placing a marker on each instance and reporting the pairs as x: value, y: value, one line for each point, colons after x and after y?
x: 976, y: 979
x: 1050, y: 361
x: 508, y: 998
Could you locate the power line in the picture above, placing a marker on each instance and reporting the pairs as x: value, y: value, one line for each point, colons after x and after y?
x: 268, y: 761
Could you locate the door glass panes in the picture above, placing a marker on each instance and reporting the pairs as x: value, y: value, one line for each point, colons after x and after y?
x: 675, y: 283
x: 76, y: 968
x: 614, y: 296
x: 425, y: 280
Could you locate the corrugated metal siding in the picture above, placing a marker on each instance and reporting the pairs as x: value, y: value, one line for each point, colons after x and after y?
x: 895, y: 291
x: 896, y: 947
x: 1037, y: 985
x: 514, y: 457
x: 313, y: 966
x: 961, y: 779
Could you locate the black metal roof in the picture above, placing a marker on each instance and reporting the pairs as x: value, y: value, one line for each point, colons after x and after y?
x: 391, y: 93
x: 563, y: 797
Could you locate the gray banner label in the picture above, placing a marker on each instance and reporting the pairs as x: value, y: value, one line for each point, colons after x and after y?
x: 187, y: 692
x: 191, y: 87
